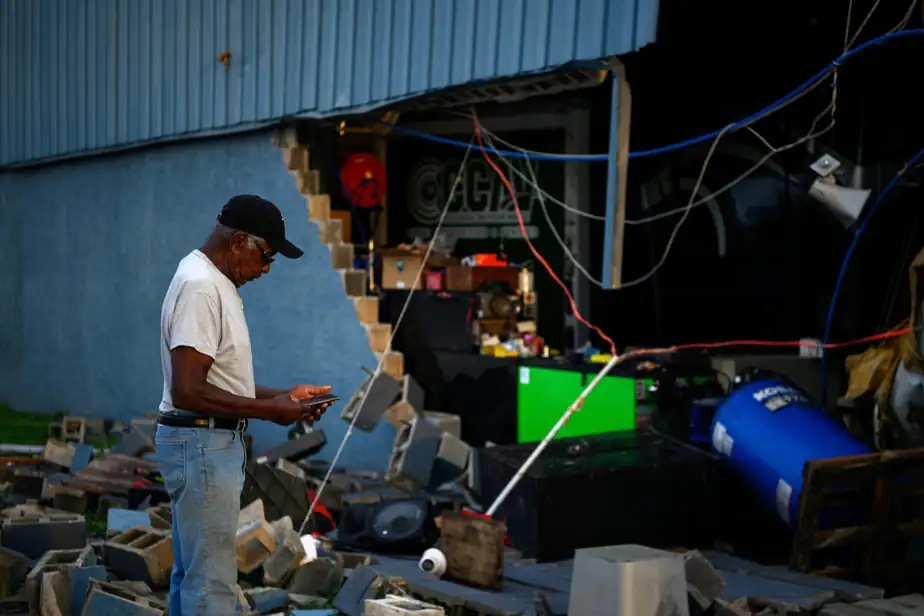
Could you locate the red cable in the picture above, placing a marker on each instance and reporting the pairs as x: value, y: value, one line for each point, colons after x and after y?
x: 525, y: 233
x: 771, y: 343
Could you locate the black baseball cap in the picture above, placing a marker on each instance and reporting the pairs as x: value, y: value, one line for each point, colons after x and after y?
x: 259, y: 217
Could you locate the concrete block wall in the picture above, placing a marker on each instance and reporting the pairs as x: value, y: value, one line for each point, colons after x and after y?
x: 89, y: 247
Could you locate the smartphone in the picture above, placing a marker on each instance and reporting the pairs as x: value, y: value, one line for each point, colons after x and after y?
x: 319, y: 400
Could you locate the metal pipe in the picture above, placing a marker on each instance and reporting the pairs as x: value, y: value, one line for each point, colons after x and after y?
x: 575, y: 406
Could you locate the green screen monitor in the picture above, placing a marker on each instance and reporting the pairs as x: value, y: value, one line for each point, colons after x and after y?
x: 543, y: 395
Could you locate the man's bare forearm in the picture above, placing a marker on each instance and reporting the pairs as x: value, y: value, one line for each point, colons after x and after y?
x: 265, y: 393
x: 211, y: 400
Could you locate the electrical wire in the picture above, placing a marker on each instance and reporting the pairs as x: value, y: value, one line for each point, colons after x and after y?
x: 378, y: 369
x: 533, y: 182
x: 617, y: 359
x: 794, y: 94
x: 549, y: 198
x: 686, y: 214
x: 529, y: 244
x: 842, y: 274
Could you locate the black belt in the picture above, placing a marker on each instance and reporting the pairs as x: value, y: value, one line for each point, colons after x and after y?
x: 180, y: 421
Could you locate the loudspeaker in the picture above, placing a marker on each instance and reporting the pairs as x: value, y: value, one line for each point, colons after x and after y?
x: 401, y: 526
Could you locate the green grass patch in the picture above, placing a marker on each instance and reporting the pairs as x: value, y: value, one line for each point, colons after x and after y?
x: 25, y: 428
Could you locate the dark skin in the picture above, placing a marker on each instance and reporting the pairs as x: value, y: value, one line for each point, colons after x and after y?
x: 241, y: 263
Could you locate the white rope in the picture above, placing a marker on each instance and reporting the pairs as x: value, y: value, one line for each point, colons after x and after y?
x: 407, y: 302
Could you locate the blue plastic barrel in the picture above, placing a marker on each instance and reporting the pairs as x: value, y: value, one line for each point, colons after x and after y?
x: 767, y: 430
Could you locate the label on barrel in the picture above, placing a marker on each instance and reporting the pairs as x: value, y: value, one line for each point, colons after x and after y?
x: 783, y: 497
x: 722, y: 440
x: 779, y: 397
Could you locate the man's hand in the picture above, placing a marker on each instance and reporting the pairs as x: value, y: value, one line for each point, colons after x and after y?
x: 303, y: 392
x: 288, y: 410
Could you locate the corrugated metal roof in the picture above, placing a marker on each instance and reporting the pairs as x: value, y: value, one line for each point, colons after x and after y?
x: 99, y: 74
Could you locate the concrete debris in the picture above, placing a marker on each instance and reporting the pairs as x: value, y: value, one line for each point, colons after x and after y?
x: 86, y: 533
x: 400, y: 606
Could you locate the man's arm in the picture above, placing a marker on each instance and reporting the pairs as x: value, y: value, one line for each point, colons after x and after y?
x: 192, y: 392
x: 265, y: 393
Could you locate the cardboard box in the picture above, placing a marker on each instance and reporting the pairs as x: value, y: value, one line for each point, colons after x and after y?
x: 399, y: 269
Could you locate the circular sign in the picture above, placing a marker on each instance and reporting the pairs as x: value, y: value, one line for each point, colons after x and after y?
x: 363, y: 178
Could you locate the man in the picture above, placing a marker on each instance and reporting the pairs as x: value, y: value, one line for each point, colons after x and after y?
x: 209, y: 393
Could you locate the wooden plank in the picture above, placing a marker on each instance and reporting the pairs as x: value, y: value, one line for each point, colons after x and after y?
x: 879, y: 483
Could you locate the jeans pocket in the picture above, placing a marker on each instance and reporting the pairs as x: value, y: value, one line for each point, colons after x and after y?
x: 216, y: 440
x: 171, y: 456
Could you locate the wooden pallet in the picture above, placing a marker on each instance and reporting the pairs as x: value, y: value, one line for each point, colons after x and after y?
x: 884, y: 492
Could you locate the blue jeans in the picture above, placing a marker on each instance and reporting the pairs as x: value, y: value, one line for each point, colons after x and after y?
x: 203, y: 470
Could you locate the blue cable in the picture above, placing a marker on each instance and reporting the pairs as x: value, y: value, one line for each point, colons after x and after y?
x: 829, y: 323
x: 683, y: 144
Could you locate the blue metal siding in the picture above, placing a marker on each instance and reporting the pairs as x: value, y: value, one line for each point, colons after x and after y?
x: 89, y: 249
x: 88, y: 75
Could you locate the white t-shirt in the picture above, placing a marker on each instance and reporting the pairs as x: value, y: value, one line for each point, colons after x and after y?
x: 204, y: 310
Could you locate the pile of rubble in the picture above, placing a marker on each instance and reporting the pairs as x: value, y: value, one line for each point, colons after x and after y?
x: 85, y: 532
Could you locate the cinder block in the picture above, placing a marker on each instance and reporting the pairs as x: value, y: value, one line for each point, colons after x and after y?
x: 70, y: 499
x: 342, y: 255
x: 366, y: 583
x: 52, y: 483
x: 320, y: 577
x: 624, y: 580
x: 75, y: 429
x: 34, y: 531
x: 296, y: 158
x: 352, y: 560
x: 13, y: 569
x: 27, y: 482
x: 59, y: 453
x: 290, y: 468
x: 413, y: 455
x: 133, y: 443
x: 400, y: 606
x: 392, y: 364
x: 161, y: 516
x: 318, y: 207
x: 371, y: 400
x: 379, y: 337
x: 105, y: 603
x: 451, y: 461
x: 308, y: 182
x: 54, y: 597
x: 367, y: 309
x: 445, y: 422
x: 255, y: 539
x: 400, y: 413
x: 354, y: 282
x: 55, y: 561
x: 142, y: 553
x: 295, y: 449
x: 330, y: 231
x: 265, y: 600
x: 287, y: 556
x: 704, y: 584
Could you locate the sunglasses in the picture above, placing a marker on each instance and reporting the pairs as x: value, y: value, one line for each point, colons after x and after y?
x: 265, y: 257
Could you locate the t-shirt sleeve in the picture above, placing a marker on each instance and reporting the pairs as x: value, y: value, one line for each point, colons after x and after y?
x: 196, y: 321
